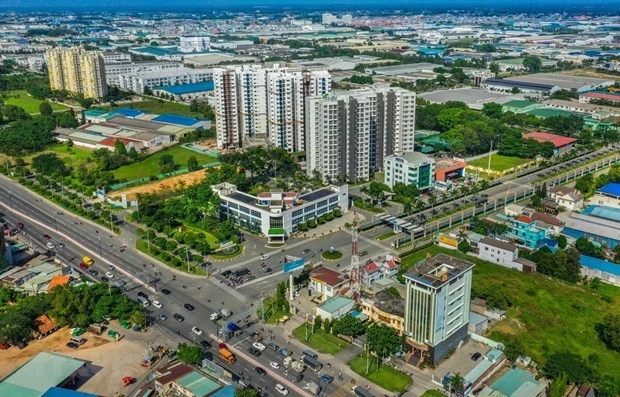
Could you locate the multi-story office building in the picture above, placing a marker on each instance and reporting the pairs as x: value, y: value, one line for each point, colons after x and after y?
x: 349, y: 135
x: 277, y: 214
x: 270, y: 103
x: 411, y: 169
x: 194, y: 44
x: 114, y: 70
x: 77, y: 71
x: 138, y: 82
x: 437, y: 306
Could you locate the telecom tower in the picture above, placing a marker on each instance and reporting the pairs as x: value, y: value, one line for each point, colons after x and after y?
x: 356, y: 275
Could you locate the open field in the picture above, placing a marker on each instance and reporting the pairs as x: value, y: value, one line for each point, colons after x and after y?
x: 499, y: 162
x: 150, y: 166
x: 29, y: 104
x: 319, y: 341
x: 386, y: 377
x: 186, y: 180
x: 154, y: 106
x: 547, y: 315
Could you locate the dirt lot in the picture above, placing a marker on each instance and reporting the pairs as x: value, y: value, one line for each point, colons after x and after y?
x: 589, y: 73
x: 110, y: 361
x: 186, y: 180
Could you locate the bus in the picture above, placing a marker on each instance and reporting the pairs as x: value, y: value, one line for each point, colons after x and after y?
x: 359, y: 391
x: 312, y: 363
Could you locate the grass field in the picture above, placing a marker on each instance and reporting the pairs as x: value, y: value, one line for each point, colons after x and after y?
x: 209, y: 238
x: 73, y: 156
x: 320, y: 341
x: 150, y: 165
x: 547, y: 315
x: 433, y: 393
x: 498, y: 162
x: 154, y: 106
x: 386, y: 377
x: 29, y: 104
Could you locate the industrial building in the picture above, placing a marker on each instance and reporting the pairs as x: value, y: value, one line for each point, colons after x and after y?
x: 437, y: 307
x: 509, y: 85
x: 276, y: 215
x: 577, y: 84
x: 562, y: 144
x: 139, y: 81
x: 194, y: 43
x: 411, y: 169
x: 116, y: 69
x: 185, y: 92
x: 77, y: 71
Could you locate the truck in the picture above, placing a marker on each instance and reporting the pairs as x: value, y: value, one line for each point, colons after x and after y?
x: 225, y: 312
x: 312, y: 388
x: 359, y: 391
x: 293, y: 375
x: 227, y: 356
x: 312, y: 363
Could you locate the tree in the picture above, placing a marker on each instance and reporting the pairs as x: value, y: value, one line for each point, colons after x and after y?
x: 383, y: 341
x: 189, y: 354
x: 192, y: 163
x: 119, y: 148
x: 133, y: 153
x: 609, y: 331
x: 247, y: 393
x: 558, y: 386
x: 456, y: 382
x: 166, y: 163
x: 45, y: 108
x: 347, y: 325
x: 327, y: 325
x: 492, y: 110
x: 464, y: 246
x: 513, y: 348
x: 576, y: 369
x: 562, y: 242
x: 494, y: 68
x: 375, y: 191
x: 65, y: 120
x: 49, y: 164
x: 138, y: 318
x: 15, y: 327
x: 532, y: 63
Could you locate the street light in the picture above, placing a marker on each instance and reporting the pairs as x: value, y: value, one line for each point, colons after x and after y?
x: 100, y: 252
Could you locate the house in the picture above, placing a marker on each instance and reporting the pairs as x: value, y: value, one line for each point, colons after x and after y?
x: 499, y: 252
x: 170, y: 373
x: 477, y: 323
x: 45, y: 325
x: 325, y: 283
x: 370, y: 273
x: 389, y: 267
x: 479, y: 305
x: 385, y: 308
x: 586, y: 391
x: 524, y: 230
x: 549, y: 220
x: 567, y: 197
x: 562, y: 144
x: 513, y: 210
x: 335, y: 307
x: 515, y: 383
x: 56, y: 281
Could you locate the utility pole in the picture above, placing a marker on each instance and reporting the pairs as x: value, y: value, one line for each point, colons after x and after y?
x: 490, y: 151
x: 262, y: 304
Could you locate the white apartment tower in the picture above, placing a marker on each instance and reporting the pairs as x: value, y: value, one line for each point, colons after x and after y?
x: 324, y: 145
x: 226, y: 109
x: 252, y: 105
x: 284, y: 109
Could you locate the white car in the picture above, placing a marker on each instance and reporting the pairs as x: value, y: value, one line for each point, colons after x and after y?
x: 111, y: 267
x: 264, y: 257
x: 274, y: 365
x: 109, y: 275
x: 281, y: 389
x: 50, y: 246
x: 157, y: 304
x: 214, y: 316
x: 197, y: 331
x: 259, y: 346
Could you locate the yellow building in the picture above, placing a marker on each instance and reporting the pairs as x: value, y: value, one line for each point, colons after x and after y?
x: 385, y: 308
x: 77, y: 71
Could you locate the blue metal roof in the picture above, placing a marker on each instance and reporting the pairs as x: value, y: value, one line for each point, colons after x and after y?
x: 60, y: 392
x: 187, y: 88
x: 227, y: 391
x: 127, y: 112
x: 599, y: 264
x: 611, y: 189
x: 176, y: 119
x: 601, y: 211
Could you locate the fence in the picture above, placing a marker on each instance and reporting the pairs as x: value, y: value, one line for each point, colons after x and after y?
x: 190, y: 146
x: 121, y: 185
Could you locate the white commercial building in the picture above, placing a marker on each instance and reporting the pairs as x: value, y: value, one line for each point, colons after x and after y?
x: 348, y: 136
x: 116, y: 57
x: 253, y: 102
x: 113, y: 70
x: 137, y: 82
x: 276, y: 215
x: 194, y: 44
x: 499, y: 252
x: 411, y: 169
x: 328, y: 18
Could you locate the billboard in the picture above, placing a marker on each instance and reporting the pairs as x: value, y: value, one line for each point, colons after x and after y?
x: 292, y: 265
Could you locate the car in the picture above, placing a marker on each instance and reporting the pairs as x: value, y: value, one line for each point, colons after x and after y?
x: 19, y: 225
x: 72, y: 345
x: 47, y: 237
x: 285, y: 352
x: 50, y: 245
x: 304, y: 252
x: 197, y: 331
x: 109, y: 275
x: 214, y: 316
x: 4, y: 346
x: 222, y: 345
x: 327, y: 379
x: 93, y: 272
x: 264, y: 257
x: 259, y: 346
x: 143, y: 295
x: 88, y: 260
x: 273, y: 346
x: 253, y: 351
x: 105, y: 279
x: 61, y: 245
x: 476, y: 356
x: 226, y: 273
x: 274, y: 365
x: 165, y: 291
x: 296, y: 294
x: 268, y: 270
x: 260, y: 371
x: 205, y: 344
x: 111, y: 267
x: 178, y: 317
x: 157, y: 304
x: 189, y: 307
x: 163, y: 317
x: 281, y: 389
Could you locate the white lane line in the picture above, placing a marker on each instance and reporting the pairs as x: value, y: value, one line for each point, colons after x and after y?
x: 242, y: 340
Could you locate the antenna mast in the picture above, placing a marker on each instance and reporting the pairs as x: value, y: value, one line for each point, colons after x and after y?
x: 356, y: 276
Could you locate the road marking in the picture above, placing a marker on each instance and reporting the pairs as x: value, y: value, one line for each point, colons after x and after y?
x: 242, y: 340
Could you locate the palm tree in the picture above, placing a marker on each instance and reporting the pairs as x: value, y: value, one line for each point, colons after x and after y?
x: 408, y: 205
x: 462, y: 234
x: 456, y: 382
x: 432, y: 199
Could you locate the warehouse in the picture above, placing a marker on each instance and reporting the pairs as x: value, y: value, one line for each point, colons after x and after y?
x: 185, y: 92
x: 475, y: 98
x: 565, y: 82
x: 508, y: 85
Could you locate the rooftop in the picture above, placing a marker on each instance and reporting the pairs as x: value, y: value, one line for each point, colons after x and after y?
x: 415, y: 158
x: 198, y: 384
x: 504, y: 245
x: 187, y: 88
x: 172, y: 372
x: 60, y: 392
x: 519, y: 104
x: 600, y: 95
x: 519, y: 84
x: 557, y: 140
x: 42, y: 372
x: 599, y: 264
x: 564, y: 81
x: 438, y: 270
x: 177, y: 120
x: 389, y: 303
x: 335, y: 304
x: 327, y: 276
x: 611, y: 189
x: 44, y: 324
x: 593, y: 225
x: 515, y: 383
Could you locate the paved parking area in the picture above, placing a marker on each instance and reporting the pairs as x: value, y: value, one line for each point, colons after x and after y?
x: 460, y: 362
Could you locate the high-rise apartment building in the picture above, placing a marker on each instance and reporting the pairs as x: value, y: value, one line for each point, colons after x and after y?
x: 270, y: 103
x: 226, y: 109
x: 370, y: 124
x: 437, y: 306
x: 77, y: 71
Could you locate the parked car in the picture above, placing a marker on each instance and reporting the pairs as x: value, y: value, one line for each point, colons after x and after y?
x: 327, y: 379
x: 109, y: 275
x: 4, y: 346
x: 254, y: 351
x: 260, y: 371
x: 157, y: 304
x: 214, y: 316
x: 281, y: 389
x: 259, y: 346
x: 104, y: 279
x: 72, y: 345
x: 476, y: 356
x: 285, y: 352
x: 93, y: 272
x: 274, y: 365
x: 273, y: 346
x: 111, y: 267
x: 163, y: 317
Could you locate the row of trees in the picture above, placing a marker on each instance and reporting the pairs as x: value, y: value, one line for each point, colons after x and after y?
x: 588, y: 183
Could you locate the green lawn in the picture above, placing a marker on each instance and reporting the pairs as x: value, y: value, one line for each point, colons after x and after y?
x: 499, y: 162
x: 154, y: 106
x: 433, y: 393
x: 29, y: 104
x: 320, y: 341
x: 559, y: 315
x: 150, y: 165
x: 209, y: 238
x: 73, y: 156
x: 386, y: 377
x: 156, y: 253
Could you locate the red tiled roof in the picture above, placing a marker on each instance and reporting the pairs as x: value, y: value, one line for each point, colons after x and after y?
x: 58, y: 280
x: 598, y: 95
x: 524, y: 219
x: 390, y: 264
x: 370, y: 268
x: 548, y: 219
x: 557, y: 140
x: 111, y: 140
x: 327, y: 276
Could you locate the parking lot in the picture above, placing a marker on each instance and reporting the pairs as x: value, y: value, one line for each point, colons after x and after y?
x: 461, y: 362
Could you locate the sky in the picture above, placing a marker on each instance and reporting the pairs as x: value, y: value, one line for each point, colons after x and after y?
x: 586, y: 5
